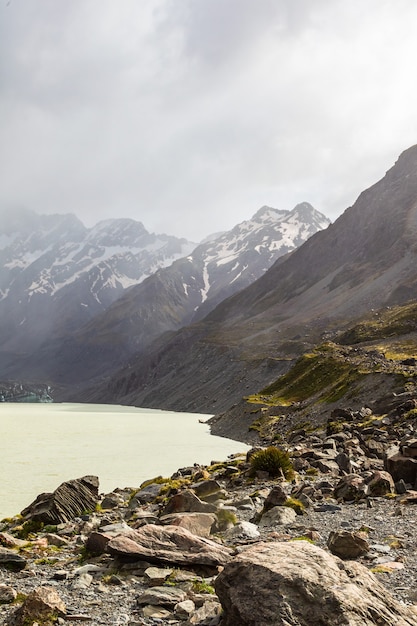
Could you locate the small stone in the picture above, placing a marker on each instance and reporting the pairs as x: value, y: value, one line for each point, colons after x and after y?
x: 276, y: 497
x: 61, y: 574
x: 12, y: 560
x: 110, y: 501
x: 183, y: 610
x: 278, y: 515
x: 83, y: 581
x: 244, y: 530
x: 7, y: 594
x: 327, y: 507
x: 165, y: 596
x: 348, y: 544
x: 155, y: 576
x: 156, y: 612
x: 210, y: 610
x: 379, y: 547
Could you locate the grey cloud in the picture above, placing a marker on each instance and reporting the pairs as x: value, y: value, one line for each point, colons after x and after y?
x: 190, y: 115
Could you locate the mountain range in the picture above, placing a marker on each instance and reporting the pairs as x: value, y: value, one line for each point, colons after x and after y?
x: 56, y: 274
x: 77, y: 302
x: 364, y: 261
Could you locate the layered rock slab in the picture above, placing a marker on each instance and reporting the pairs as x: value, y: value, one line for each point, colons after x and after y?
x: 299, y: 584
x: 69, y: 500
x: 168, y: 544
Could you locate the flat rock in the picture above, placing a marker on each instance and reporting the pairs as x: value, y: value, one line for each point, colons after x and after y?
x: 197, y: 523
x: 299, y: 584
x: 168, y: 544
x: 162, y: 596
x: 156, y: 576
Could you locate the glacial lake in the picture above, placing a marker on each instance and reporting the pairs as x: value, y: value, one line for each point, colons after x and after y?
x: 43, y: 445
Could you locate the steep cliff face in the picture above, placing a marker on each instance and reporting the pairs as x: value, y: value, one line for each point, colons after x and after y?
x: 366, y: 259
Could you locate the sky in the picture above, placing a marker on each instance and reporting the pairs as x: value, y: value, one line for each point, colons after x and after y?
x: 189, y: 115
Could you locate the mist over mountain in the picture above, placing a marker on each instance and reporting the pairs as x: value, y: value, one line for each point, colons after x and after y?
x: 365, y: 260
x: 56, y: 274
x: 168, y: 299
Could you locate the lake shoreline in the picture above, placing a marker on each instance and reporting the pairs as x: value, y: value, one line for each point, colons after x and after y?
x: 122, y: 445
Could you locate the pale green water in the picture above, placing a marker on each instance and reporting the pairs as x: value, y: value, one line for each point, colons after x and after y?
x: 42, y: 445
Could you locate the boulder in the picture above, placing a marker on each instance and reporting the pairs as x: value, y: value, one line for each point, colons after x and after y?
x: 206, y: 488
x: 197, y: 523
x: 43, y: 605
x: 348, y: 544
x: 69, y: 500
x: 402, y: 467
x: 168, y: 544
x: 187, y: 502
x: 380, y: 484
x: 327, y: 467
x: 278, y: 516
x: 299, y: 584
x: 276, y: 497
x: 145, y: 495
x: 350, y: 487
x: 344, y: 463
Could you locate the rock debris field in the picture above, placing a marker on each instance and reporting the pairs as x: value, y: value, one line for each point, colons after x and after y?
x: 329, y: 541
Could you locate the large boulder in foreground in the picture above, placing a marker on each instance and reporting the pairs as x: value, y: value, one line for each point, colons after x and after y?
x: 69, y: 500
x: 299, y: 584
x: 168, y: 544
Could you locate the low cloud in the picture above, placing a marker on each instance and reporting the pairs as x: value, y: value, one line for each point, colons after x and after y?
x: 190, y: 115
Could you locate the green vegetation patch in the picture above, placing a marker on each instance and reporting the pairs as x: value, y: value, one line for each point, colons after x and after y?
x: 391, y: 322
x: 264, y: 424
x: 317, y: 373
x: 295, y: 504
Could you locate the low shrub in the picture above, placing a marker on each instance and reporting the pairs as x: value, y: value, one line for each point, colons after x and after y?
x: 273, y: 460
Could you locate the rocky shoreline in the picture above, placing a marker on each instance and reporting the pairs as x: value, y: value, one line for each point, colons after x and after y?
x: 211, y: 544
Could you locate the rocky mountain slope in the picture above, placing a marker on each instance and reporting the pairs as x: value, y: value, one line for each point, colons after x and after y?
x: 172, y: 296
x: 364, y: 261
x: 372, y: 364
x: 56, y: 274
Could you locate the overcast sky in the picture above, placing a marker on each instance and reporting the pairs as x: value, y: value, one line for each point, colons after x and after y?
x: 189, y: 115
